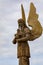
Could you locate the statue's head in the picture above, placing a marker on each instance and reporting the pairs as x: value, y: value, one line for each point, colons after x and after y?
x: 21, y: 23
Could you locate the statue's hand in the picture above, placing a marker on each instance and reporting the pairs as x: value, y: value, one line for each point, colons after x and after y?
x: 16, y: 36
x: 14, y: 41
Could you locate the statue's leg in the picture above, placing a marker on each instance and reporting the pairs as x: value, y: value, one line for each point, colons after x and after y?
x: 24, y: 61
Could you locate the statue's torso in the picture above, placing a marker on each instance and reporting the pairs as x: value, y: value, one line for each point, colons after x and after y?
x: 23, y: 48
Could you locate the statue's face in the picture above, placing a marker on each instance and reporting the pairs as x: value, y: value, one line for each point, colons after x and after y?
x: 20, y: 24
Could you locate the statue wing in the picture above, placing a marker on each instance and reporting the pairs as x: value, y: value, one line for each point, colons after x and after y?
x: 23, y: 13
x: 34, y: 23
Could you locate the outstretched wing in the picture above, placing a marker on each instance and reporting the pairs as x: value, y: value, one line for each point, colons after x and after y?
x: 23, y: 13
x: 34, y: 23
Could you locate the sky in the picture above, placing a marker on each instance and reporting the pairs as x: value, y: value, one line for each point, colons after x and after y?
x: 10, y: 12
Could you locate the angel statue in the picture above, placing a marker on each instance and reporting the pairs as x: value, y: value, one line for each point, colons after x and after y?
x: 24, y: 33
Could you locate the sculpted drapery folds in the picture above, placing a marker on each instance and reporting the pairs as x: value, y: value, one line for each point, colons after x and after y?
x: 24, y: 34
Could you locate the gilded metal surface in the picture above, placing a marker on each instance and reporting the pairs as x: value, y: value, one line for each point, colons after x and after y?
x: 24, y: 34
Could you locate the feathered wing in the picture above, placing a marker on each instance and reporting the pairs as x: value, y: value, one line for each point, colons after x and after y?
x: 23, y: 13
x: 34, y: 23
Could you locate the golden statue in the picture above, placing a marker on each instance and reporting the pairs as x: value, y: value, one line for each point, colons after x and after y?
x: 24, y: 33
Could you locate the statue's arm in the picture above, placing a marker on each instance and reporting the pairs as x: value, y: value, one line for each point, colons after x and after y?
x: 29, y: 36
x: 26, y: 38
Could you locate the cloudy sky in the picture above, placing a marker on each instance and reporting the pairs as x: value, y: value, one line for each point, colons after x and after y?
x: 10, y: 12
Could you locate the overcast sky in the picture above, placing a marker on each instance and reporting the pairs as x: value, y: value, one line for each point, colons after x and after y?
x: 10, y: 12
